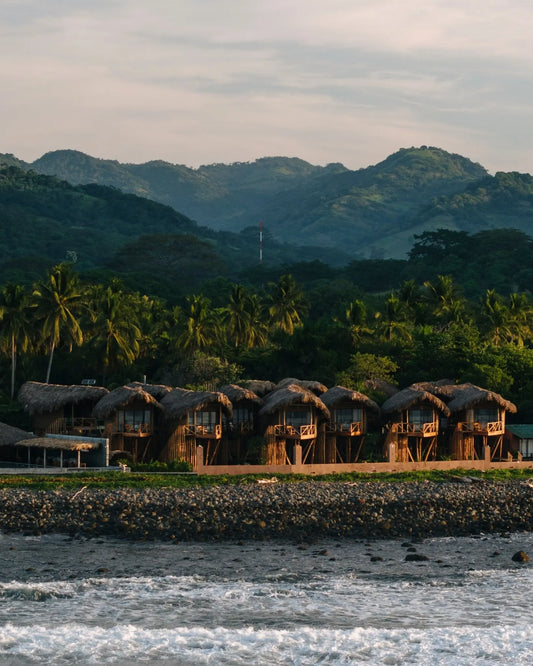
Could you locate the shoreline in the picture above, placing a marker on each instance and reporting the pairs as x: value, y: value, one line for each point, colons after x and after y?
x: 296, y: 511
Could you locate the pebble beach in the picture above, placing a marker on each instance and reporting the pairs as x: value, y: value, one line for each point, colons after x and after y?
x: 296, y: 511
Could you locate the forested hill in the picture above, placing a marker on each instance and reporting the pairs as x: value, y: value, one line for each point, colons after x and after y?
x: 369, y: 213
x: 44, y: 220
x: 332, y: 206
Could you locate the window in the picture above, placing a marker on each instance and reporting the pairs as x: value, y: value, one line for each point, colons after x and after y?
x: 133, y: 420
x: 346, y: 416
x: 208, y: 420
x: 298, y: 417
x: 242, y: 415
x: 486, y: 415
x: 421, y: 416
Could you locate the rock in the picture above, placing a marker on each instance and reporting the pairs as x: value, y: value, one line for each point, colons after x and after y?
x: 520, y: 556
x: 416, y: 557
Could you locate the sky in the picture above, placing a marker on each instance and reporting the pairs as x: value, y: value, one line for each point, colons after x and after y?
x: 203, y: 81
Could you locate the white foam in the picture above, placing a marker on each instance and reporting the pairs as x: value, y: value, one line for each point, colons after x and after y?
x: 305, y: 645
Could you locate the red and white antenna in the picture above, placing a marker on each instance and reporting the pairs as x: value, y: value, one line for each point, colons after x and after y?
x: 260, y: 242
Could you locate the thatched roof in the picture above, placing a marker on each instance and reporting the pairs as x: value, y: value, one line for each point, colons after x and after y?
x: 56, y: 443
x: 37, y: 398
x: 10, y: 435
x: 238, y: 394
x: 157, y: 391
x: 121, y: 397
x: 341, y: 395
x: 316, y: 387
x: 290, y: 396
x: 463, y: 396
x: 259, y: 386
x: 470, y: 396
x: 408, y: 397
x: 179, y: 402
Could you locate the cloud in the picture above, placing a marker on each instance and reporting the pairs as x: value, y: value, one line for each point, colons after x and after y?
x: 202, y: 80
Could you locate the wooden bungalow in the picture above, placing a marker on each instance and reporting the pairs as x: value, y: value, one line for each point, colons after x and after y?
x: 294, y: 415
x: 414, y: 424
x: 195, y: 418
x: 60, y: 409
x: 477, y: 420
x: 131, y: 422
x: 345, y: 431
x: 242, y: 426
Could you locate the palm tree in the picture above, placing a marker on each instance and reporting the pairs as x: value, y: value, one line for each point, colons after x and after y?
x: 521, y: 314
x: 496, y: 314
x: 287, y: 304
x: 115, y: 331
x: 446, y: 299
x: 243, y: 318
x: 393, y: 322
x: 14, y: 309
x: 200, y: 327
x: 356, y: 319
x: 59, y: 300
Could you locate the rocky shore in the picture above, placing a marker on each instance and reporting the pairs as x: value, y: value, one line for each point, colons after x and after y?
x: 279, y: 510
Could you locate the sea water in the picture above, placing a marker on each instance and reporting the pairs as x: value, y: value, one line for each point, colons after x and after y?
x: 107, y: 601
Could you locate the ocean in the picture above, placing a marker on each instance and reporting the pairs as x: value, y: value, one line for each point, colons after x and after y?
x: 107, y: 601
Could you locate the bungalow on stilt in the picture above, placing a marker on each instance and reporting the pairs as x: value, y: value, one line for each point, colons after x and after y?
x: 294, y: 415
x: 413, y: 424
x: 195, y: 418
x: 345, y: 431
x: 131, y: 419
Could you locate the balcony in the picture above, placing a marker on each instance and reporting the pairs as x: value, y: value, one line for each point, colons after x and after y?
x: 476, y: 428
x: 307, y: 431
x: 349, y: 429
x: 85, y: 426
x: 419, y: 429
x: 140, y: 430
x: 204, y: 431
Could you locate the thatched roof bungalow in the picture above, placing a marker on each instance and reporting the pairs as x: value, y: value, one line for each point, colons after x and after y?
x: 414, y: 423
x: 345, y: 431
x: 349, y: 410
x: 130, y: 414
x: 293, y: 414
x: 61, y: 409
x: 245, y: 405
x: 193, y: 418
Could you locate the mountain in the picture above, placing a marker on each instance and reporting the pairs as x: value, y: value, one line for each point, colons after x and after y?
x: 369, y: 213
x: 44, y: 220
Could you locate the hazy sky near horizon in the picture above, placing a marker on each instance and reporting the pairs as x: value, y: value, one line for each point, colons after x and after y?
x: 201, y: 81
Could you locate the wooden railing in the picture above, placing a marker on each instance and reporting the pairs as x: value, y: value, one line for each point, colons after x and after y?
x: 75, y: 426
x: 351, y: 429
x: 139, y: 430
x: 204, y: 431
x: 419, y: 429
x: 307, y: 431
x: 490, y: 428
